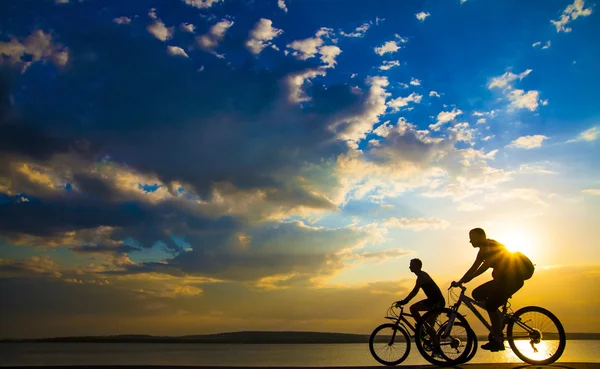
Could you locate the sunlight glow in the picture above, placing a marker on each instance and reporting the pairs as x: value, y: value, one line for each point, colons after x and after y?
x: 519, y: 240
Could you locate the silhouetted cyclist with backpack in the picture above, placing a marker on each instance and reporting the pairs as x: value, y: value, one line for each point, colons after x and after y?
x: 510, y: 270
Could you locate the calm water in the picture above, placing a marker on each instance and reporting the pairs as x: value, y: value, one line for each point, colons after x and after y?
x: 237, y: 354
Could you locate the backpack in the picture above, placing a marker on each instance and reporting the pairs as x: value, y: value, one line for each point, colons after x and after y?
x: 520, y: 266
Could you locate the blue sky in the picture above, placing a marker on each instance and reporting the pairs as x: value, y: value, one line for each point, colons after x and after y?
x: 178, y: 156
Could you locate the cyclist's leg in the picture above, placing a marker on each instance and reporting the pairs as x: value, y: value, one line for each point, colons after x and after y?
x: 502, y: 290
x: 422, y: 305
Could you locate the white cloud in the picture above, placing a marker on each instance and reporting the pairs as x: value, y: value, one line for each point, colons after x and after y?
x: 403, y: 85
x: 417, y: 224
x: 122, y: 20
x: 281, y: 5
x: 187, y: 27
x: 388, y: 47
x: 415, y: 82
x: 158, y: 28
x: 519, y: 99
x: 528, y: 142
x: 571, y: 12
x: 592, y: 191
x: 487, y: 138
x: 539, y: 43
x: 201, y: 4
x: 353, y: 75
x: 380, y: 255
x: 358, y: 31
x: 590, y: 134
x: 38, y: 45
x: 433, y: 93
x: 365, y: 114
x: 328, y: 54
x: 295, y: 81
x: 536, y: 169
x: 481, y: 120
x: 462, y: 132
x: 176, y: 51
x: 400, y: 102
x: 506, y: 79
x: 261, y: 35
x: 422, y: 15
x: 388, y: 64
x: 211, y: 40
x: 444, y: 117
x: 310, y: 47
x: 463, y: 1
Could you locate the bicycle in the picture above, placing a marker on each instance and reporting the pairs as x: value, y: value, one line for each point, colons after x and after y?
x: 384, y: 340
x: 534, y: 334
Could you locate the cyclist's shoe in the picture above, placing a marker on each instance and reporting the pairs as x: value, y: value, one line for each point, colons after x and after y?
x: 493, y: 346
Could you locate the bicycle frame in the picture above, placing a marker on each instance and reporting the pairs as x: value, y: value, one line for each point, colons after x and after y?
x: 470, y: 303
x: 403, y: 322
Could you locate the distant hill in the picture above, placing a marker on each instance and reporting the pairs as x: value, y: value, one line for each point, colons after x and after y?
x: 247, y: 337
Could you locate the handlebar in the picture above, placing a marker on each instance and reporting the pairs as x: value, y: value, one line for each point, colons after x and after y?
x: 457, y: 285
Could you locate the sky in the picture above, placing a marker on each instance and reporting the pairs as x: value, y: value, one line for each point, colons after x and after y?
x: 202, y: 166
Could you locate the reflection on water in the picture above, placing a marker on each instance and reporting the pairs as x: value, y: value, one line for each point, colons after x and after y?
x: 238, y: 355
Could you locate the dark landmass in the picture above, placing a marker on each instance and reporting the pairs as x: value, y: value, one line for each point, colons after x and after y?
x: 248, y: 337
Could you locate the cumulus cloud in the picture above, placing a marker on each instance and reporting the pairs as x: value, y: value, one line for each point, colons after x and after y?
x: 528, y: 142
x: 422, y: 15
x: 310, y: 47
x: 359, y: 31
x: 210, y: 40
x: 176, y: 51
x: 388, y: 47
x: 261, y: 35
x: 187, y: 27
x: 415, y: 82
x: 445, y: 117
x: 401, y: 102
x: 158, y: 28
x: 506, y: 79
x: 328, y: 55
x: 201, y: 4
x: 38, y: 45
x: 571, y: 12
x: 590, y: 134
x: 281, y: 5
x: 433, y: 93
x: 519, y: 99
x: 389, y: 64
x: 122, y: 20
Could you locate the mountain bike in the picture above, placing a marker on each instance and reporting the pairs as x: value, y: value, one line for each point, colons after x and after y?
x: 390, y: 342
x: 534, y: 334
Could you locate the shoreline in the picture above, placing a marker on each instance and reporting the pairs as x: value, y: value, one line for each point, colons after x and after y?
x: 557, y: 365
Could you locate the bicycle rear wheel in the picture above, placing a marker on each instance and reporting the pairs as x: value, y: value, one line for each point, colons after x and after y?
x: 444, y: 350
x: 389, y: 344
x: 536, y: 335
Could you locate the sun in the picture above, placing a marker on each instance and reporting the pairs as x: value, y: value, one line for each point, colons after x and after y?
x: 518, y: 240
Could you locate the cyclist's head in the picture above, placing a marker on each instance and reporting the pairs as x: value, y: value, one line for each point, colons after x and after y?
x: 415, y: 265
x: 477, y: 237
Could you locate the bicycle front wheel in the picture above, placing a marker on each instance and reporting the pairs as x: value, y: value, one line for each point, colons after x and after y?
x: 536, y: 335
x: 389, y: 344
x: 440, y: 348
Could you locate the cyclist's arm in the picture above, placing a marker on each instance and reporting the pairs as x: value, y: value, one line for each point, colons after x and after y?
x: 414, y: 292
x: 475, y: 269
